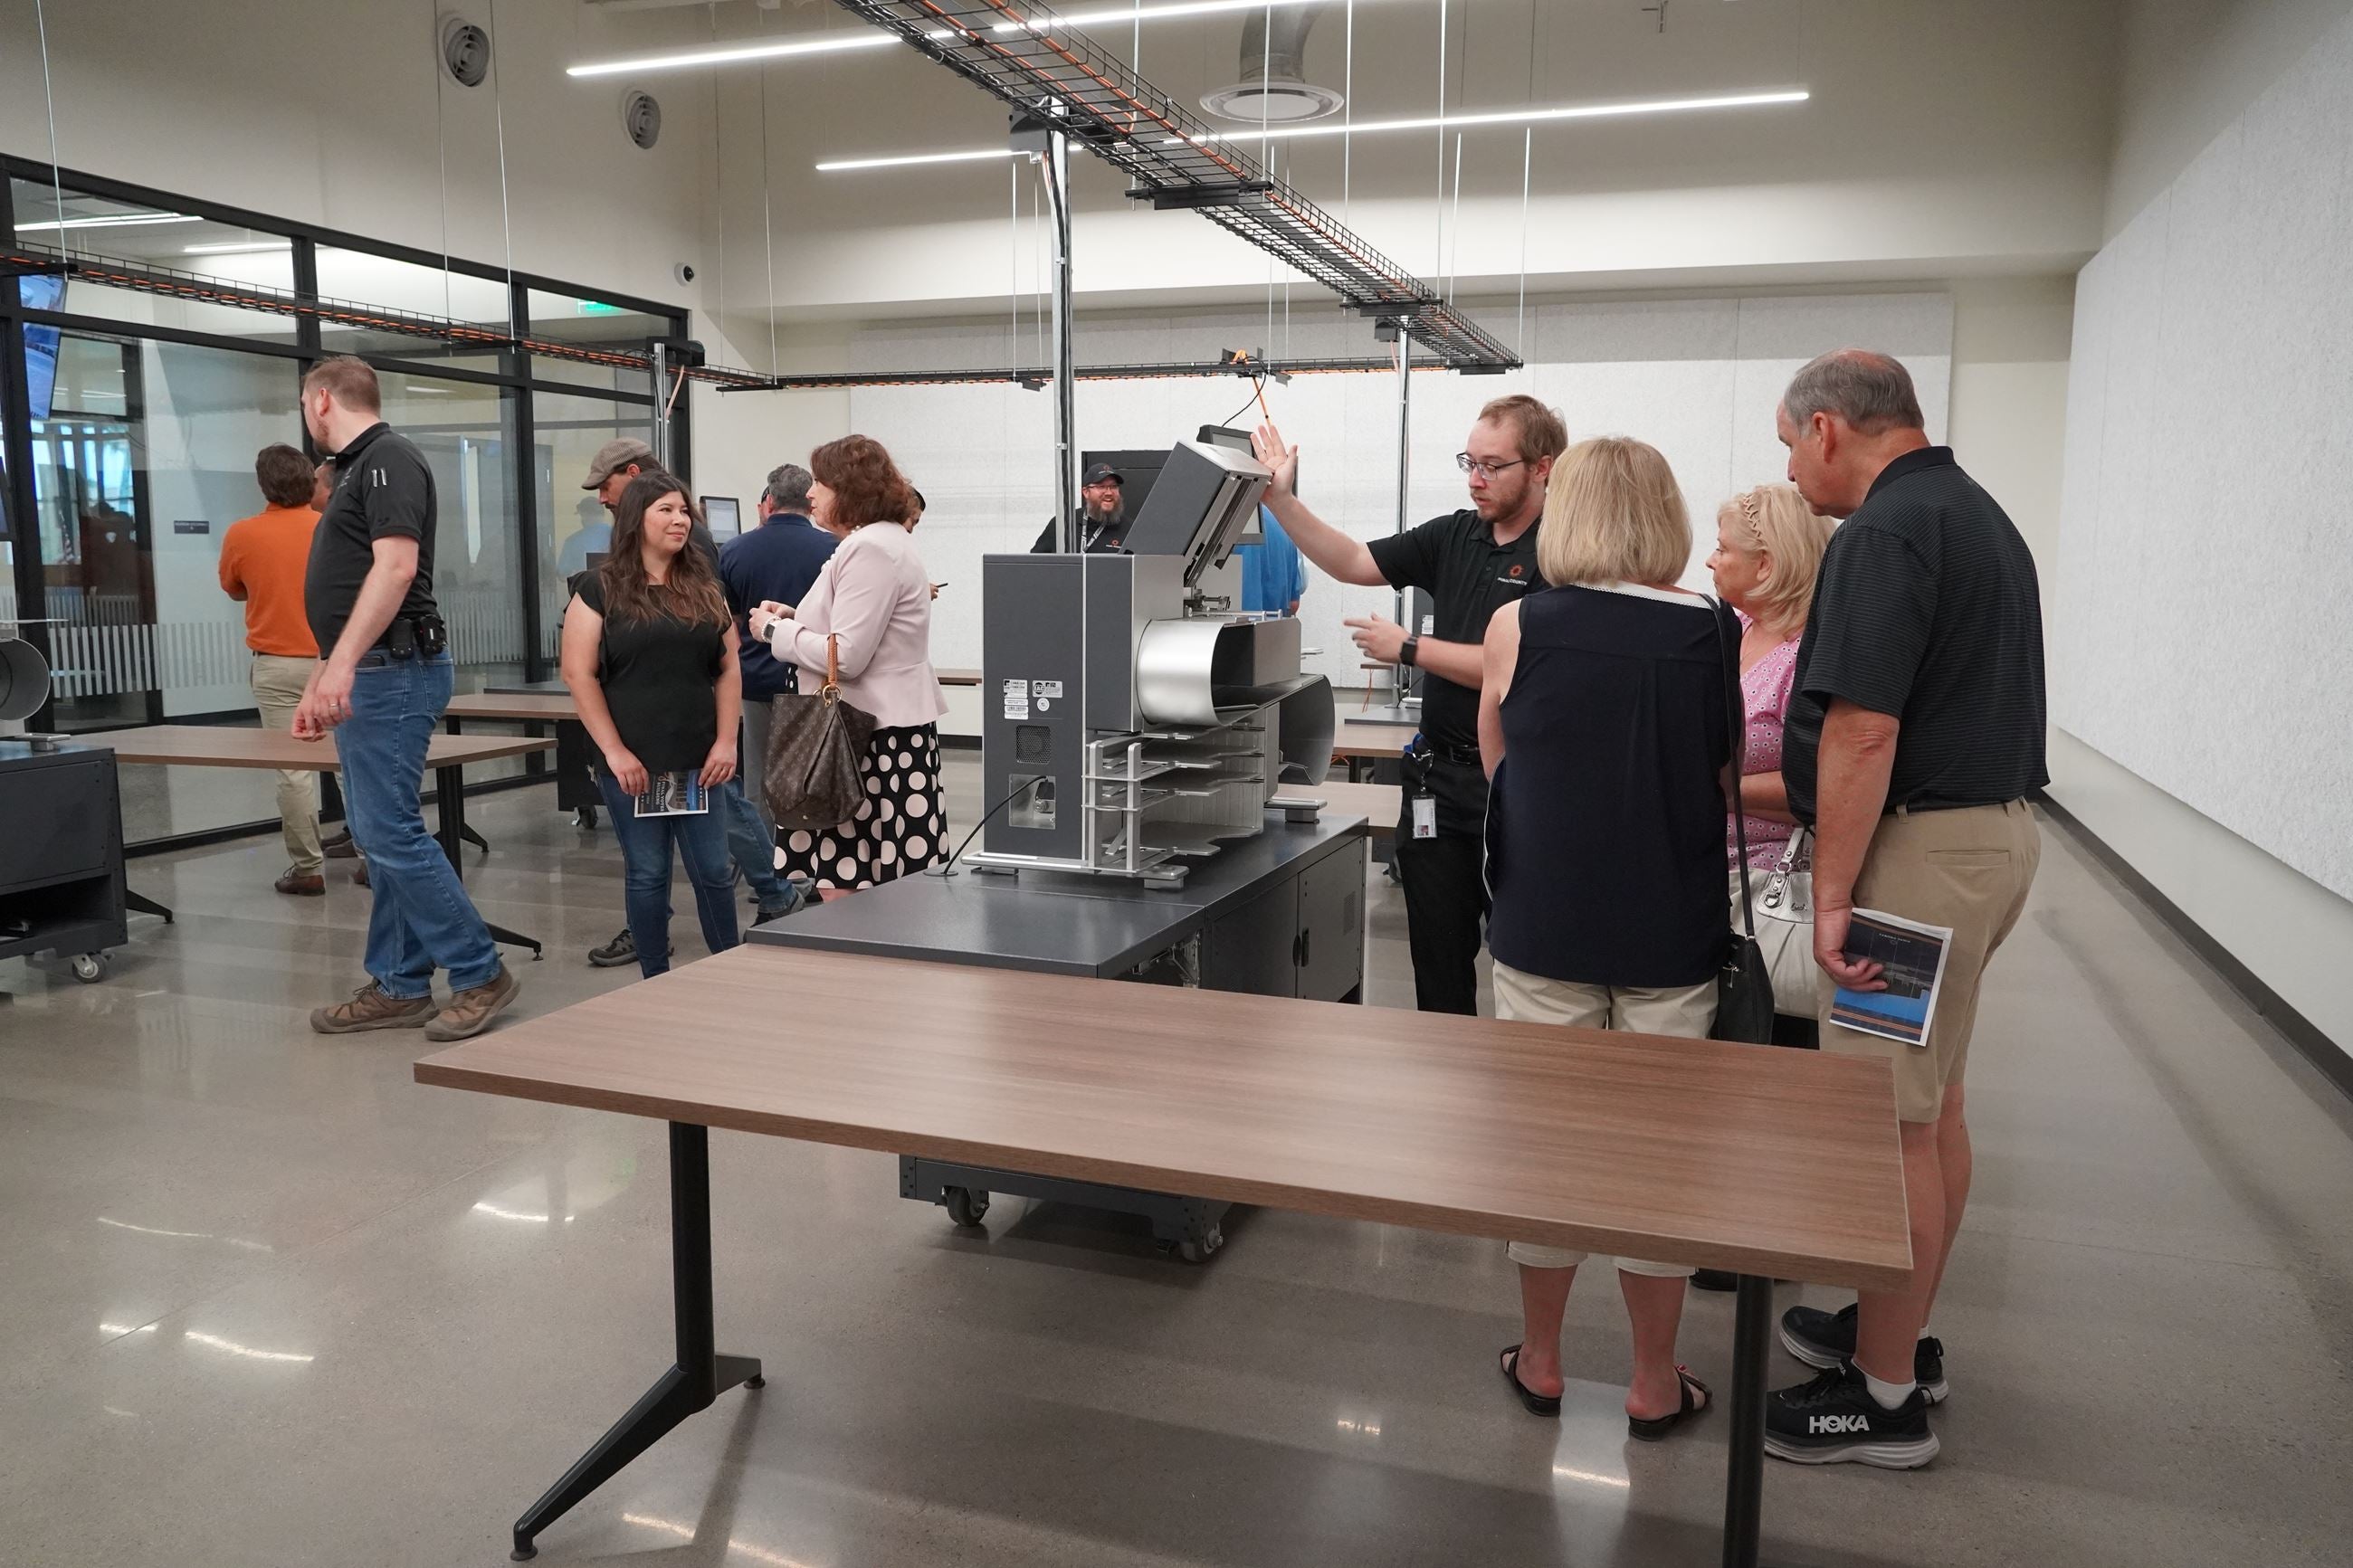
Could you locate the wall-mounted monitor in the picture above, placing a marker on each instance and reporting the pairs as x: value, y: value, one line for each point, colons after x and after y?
x: 723, y: 516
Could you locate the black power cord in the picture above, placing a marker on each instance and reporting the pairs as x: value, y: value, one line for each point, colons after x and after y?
x: 947, y: 867
x: 1258, y: 396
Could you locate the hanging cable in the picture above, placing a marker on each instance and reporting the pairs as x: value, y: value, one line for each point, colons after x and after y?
x: 1258, y: 396
x: 57, y: 179
x: 1527, y: 168
x: 1348, y: 114
x: 1438, y: 254
x: 768, y: 218
x: 506, y: 220
x: 441, y: 156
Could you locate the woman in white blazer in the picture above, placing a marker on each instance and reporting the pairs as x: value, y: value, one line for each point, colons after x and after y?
x: 873, y: 599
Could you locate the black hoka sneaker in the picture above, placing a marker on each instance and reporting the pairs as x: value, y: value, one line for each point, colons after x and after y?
x: 1825, y: 1339
x: 1833, y: 1420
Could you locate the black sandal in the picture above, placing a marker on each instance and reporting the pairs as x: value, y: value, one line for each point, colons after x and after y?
x: 1656, y: 1428
x: 1537, y: 1403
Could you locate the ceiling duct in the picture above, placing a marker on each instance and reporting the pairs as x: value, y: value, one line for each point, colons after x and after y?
x: 1274, y: 87
x: 465, y: 52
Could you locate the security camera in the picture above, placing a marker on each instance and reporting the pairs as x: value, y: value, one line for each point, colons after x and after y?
x: 683, y: 272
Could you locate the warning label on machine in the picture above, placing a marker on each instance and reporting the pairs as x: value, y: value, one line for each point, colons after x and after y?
x: 1017, y: 700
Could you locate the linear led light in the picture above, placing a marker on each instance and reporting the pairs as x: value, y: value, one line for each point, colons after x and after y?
x: 237, y: 248
x: 1375, y: 127
x: 974, y: 155
x: 778, y: 49
x: 1504, y: 117
x: 110, y: 220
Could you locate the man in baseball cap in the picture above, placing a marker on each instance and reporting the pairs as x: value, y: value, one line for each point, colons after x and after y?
x: 616, y: 462
x: 1102, y: 515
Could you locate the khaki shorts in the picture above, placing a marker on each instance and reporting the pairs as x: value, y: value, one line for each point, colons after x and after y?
x: 1969, y: 869
x: 1686, y: 1012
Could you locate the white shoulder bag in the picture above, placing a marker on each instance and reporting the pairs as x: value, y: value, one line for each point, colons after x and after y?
x: 1784, y: 899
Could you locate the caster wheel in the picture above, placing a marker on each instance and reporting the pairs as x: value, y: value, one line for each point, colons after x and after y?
x: 1199, y: 1252
x: 89, y: 968
x: 755, y: 1382
x: 966, y: 1207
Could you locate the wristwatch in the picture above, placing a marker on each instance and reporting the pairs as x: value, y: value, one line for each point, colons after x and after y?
x: 1410, y: 654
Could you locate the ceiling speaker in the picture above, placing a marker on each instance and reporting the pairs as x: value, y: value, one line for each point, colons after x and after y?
x: 465, y: 52
x: 642, y: 115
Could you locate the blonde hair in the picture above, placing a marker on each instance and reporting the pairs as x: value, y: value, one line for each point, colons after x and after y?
x: 1774, y: 521
x: 1613, y: 513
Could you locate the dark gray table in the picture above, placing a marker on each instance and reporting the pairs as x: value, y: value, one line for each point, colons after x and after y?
x: 1279, y: 914
x: 576, y: 755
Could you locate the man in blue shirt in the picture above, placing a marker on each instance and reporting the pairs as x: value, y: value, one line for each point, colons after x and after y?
x: 1273, y: 576
x: 778, y: 560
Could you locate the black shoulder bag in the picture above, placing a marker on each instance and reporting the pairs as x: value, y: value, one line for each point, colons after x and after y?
x: 1743, y: 986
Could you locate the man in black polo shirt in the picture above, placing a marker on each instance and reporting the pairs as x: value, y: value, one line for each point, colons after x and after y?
x: 1915, y: 735
x: 1102, y: 515
x: 1471, y: 563
x: 383, y: 678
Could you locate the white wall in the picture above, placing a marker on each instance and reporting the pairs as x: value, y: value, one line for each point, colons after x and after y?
x: 2196, y: 626
x: 1697, y: 377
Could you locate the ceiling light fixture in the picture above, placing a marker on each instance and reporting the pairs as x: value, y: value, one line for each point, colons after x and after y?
x: 1375, y: 127
x: 238, y: 247
x: 110, y: 220
x: 830, y: 44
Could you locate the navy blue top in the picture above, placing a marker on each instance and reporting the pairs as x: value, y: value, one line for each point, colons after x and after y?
x: 1605, y: 826
x: 779, y: 560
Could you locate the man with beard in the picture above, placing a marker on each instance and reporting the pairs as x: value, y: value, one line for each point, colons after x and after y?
x: 1470, y: 562
x: 1102, y: 516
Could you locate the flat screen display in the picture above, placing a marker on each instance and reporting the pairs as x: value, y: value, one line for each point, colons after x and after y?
x: 40, y: 291
x: 723, y: 516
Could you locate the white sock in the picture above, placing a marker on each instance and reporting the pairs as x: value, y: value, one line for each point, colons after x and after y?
x: 1888, y: 1395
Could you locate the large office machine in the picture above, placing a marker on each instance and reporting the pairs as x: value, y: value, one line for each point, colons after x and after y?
x: 1131, y: 723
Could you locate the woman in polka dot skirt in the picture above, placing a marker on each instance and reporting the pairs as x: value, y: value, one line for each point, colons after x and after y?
x: 873, y: 599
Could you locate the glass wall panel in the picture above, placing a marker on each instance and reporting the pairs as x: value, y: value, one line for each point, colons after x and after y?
x: 567, y: 430
x: 466, y: 434
x: 97, y: 230
x: 358, y: 278
x: 573, y: 319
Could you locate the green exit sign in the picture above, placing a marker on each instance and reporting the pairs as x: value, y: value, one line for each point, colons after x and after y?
x: 598, y: 308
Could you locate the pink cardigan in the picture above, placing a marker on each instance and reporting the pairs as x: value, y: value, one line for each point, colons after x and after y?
x: 875, y: 597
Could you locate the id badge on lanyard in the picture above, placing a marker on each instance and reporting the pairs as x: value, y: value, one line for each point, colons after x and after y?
x: 1421, y: 803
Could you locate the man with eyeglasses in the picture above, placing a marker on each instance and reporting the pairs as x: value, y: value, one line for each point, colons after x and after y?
x: 1470, y: 562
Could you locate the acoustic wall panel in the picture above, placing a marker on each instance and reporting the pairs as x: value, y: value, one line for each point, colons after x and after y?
x: 2198, y: 612
x: 1699, y: 378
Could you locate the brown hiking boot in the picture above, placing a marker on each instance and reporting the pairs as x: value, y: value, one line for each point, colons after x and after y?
x: 469, y: 1011
x: 340, y: 847
x: 303, y: 884
x: 370, y: 1008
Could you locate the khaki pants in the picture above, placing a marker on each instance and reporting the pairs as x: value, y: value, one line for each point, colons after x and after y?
x: 278, y: 683
x: 1969, y: 870
x: 1685, y: 1011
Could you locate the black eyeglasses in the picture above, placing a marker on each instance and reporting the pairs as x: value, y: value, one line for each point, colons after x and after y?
x: 1470, y: 464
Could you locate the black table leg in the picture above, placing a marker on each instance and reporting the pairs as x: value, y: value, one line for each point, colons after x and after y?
x: 134, y: 900
x: 1744, y: 1486
x: 449, y: 807
x: 699, y: 1376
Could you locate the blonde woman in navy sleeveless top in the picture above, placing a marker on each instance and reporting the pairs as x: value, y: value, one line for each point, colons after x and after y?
x: 1603, y: 726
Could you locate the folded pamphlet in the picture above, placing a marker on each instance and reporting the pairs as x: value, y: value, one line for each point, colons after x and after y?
x: 1911, y: 957
x: 673, y: 795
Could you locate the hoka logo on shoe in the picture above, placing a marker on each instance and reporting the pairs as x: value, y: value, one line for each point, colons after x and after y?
x: 1835, y: 1426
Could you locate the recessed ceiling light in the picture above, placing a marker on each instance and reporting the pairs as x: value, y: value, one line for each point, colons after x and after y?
x: 1375, y: 127
x: 110, y: 220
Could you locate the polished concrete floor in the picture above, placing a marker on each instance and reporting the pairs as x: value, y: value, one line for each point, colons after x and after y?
x: 264, y: 1301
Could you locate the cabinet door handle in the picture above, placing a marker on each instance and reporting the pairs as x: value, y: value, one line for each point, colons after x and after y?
x: 1306, y: 946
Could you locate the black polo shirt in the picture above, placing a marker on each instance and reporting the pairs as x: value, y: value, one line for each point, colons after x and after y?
x: 1468, y: 576
x: 1927, y: 610
x: 383, y: 488
x: 1094, y: 538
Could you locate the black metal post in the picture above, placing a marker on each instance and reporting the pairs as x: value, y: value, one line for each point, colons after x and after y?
x: 1744, y: 1486
x: 450, y: 829
x: 700, y: 1375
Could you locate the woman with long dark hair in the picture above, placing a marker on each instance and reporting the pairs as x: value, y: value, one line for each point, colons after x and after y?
x: 873, y: 603
x: 649, y: 658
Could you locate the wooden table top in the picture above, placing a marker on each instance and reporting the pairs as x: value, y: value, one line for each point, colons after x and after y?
x: 1353, y: 739
x: 1377, y: 804
x: 522, y: 706
x: 213, y: 746
x: 1743, y: 1157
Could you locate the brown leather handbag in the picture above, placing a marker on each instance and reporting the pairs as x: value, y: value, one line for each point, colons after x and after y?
x: 816, y: 743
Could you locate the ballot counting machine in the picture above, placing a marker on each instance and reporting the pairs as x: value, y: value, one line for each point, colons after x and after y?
x: 1131, y: 723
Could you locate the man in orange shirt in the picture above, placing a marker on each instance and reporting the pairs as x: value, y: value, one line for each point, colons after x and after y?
x: 262, y: 562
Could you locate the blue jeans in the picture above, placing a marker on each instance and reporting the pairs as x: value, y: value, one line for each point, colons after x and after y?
x: 645, y: 841
x: 421, y: 919
x: 752, y: 843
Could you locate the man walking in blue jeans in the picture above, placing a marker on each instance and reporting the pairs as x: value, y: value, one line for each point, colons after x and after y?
x: 383, y: 678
